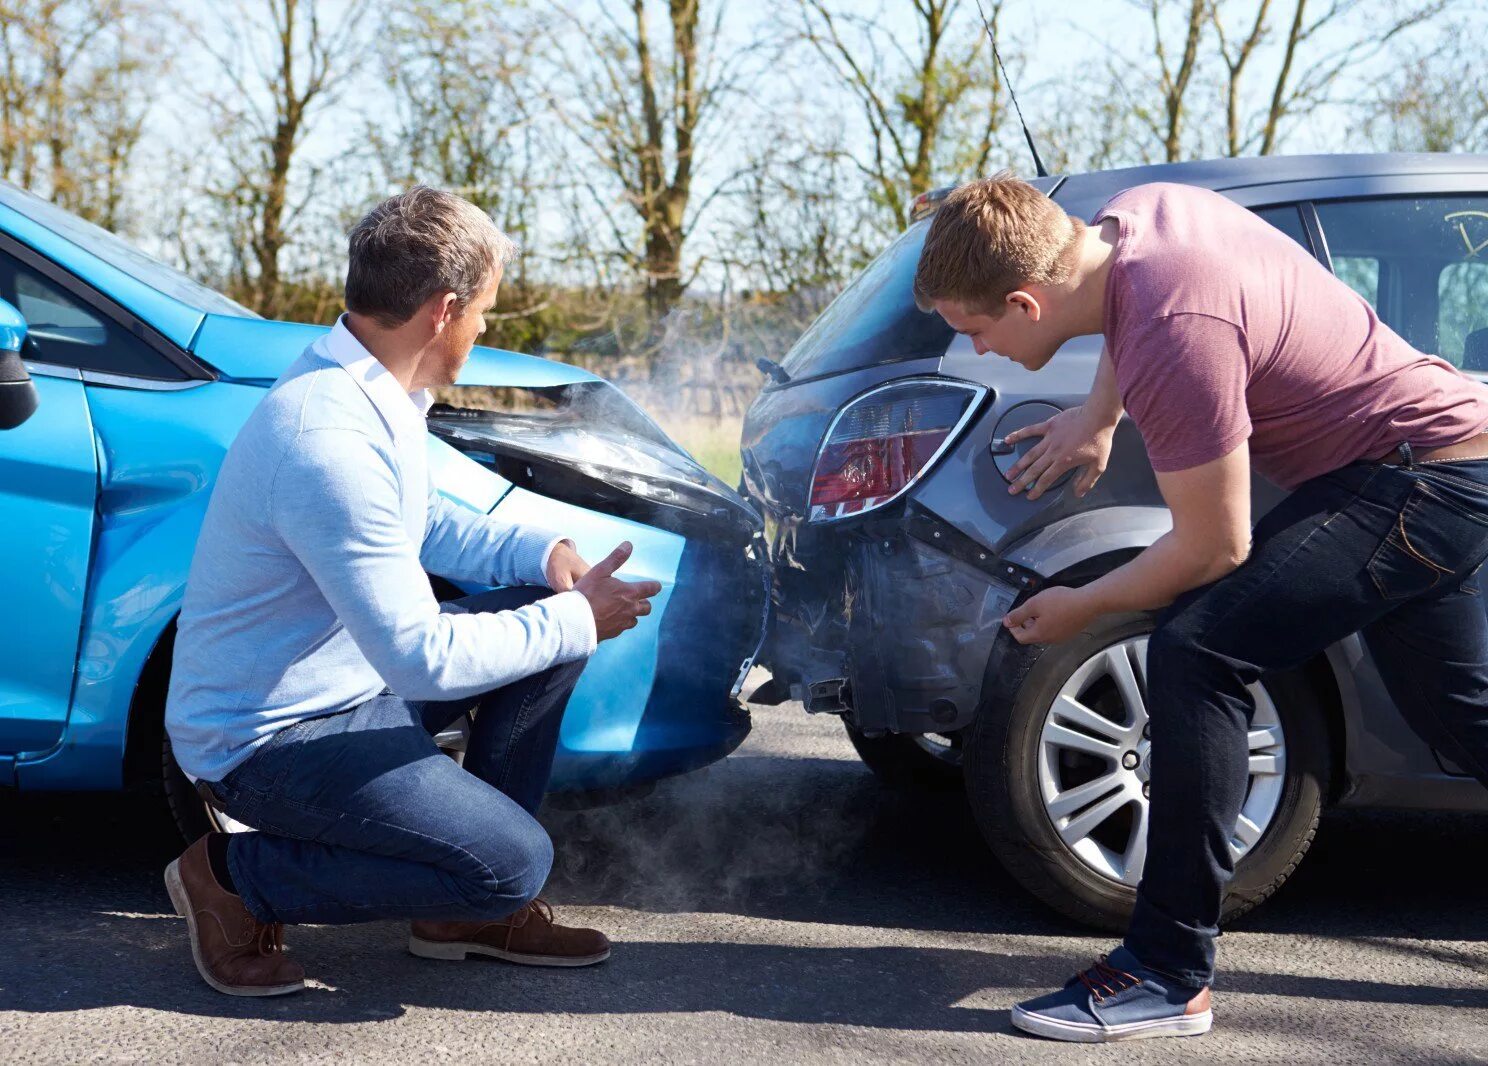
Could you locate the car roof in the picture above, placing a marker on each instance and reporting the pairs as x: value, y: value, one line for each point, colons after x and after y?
x: 1082, y: 194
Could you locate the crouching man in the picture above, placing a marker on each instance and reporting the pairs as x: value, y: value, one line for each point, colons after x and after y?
x: 313, y: 665
x: 1233, y: 350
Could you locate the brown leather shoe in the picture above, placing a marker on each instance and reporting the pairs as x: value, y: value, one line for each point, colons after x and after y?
x: 234, y: 952
x: 529, y: 937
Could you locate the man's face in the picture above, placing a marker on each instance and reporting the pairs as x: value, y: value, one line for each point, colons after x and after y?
x: 464, y: 328
x: 1021, y: 333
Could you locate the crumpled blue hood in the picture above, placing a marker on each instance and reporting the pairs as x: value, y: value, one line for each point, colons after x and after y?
x: 259, y: 350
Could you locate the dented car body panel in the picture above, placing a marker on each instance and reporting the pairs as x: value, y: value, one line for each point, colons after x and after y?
x: 892, y: 619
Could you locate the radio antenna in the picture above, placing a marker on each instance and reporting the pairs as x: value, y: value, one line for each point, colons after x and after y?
x: 1038, y: 164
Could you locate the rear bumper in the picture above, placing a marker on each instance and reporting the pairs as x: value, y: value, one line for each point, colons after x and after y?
x: 892, y: 624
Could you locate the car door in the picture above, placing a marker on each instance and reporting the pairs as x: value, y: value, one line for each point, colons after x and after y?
x: 1421, y: 260
x: 48, y: 494
x: 77, y: 341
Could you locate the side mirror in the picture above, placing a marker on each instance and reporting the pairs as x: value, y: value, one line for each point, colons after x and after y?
x: 17, y: 392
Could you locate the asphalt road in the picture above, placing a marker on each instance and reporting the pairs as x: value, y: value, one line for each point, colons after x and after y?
x: 779, y: 907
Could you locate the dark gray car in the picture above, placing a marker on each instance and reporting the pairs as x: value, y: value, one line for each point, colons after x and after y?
x: 897, y: 549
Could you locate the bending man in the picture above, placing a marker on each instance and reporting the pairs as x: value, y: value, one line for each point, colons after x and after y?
x: 1233, y: 350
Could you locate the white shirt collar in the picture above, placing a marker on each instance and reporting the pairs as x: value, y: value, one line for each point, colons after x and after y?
x: 399, y: 408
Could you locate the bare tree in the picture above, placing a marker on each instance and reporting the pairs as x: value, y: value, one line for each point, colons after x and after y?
x: 74, y: 95
x: 1320, y: 46
x: 462, y: 76
x: 1175, y: 51
x: 647, y: 114
x: 283, y: 63
x: 1236, y: 56
x: 933, y: 107
x: 1436, y: 99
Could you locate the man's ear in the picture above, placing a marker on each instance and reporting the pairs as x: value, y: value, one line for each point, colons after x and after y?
x: 1022, y: 300
x: 445, y: 311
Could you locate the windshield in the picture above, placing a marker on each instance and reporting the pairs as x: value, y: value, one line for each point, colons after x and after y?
x: 117, y: 253
x: 875, y: 320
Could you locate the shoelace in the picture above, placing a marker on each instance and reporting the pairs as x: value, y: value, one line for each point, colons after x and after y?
x: 271, y: 939
x: 1105, y: 980
x: 538, y: 906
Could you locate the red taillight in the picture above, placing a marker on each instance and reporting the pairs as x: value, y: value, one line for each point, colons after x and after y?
x: 883, y: 441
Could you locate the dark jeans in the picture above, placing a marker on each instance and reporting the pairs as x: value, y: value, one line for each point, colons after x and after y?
x: 1390, y: 551
x: 361, y: 816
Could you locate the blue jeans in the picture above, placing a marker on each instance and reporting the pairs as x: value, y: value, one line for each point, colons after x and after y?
x: 1393, y: 552
x: 361, y: 816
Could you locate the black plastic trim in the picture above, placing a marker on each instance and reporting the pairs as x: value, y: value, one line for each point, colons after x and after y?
x: 929, y: 528
x: 1314, y: 227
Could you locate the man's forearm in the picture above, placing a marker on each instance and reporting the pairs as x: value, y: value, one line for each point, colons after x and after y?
x: 1104, y: 401
x: 1157, y: 577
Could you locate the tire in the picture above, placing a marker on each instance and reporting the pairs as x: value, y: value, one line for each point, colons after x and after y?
x: 905, y: 760
x: 1016, y: 775
x: 191, y: 814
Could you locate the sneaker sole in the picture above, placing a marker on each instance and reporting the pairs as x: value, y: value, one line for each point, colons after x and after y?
x: 1082, y: 1033
x: 458, y: 951
x: 177, y: 890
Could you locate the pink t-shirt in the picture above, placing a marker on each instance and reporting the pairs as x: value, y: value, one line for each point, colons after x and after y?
x: 1222, y: 328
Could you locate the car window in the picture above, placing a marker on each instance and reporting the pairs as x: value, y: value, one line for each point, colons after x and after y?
x: 1360, y: 273
x: 64, y: 330
x: 1422, y: 262
x: 1462, y: 297
x: 875, y: 319
x: 1287, y: 219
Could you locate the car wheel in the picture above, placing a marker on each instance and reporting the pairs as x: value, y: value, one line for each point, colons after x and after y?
x: 1056, y: 772
x: 192, y: 815
x: 929, y: 761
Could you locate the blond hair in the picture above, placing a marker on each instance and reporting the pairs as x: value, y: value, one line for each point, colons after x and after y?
x: 990, y: 238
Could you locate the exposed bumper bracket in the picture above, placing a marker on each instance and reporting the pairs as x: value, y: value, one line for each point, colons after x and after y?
x: 929, y: 528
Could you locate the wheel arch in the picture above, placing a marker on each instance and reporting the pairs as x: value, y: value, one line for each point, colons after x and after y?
x: 145, y: 729
x: 1072, y: 543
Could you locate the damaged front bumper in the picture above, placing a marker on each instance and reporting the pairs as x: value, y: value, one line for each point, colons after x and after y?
x: 891, y: 624
x: 663, y: 699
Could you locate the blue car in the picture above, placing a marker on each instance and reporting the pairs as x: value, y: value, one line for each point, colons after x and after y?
x: 143, y: 378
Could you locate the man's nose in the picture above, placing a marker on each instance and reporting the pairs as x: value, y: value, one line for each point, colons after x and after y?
x: 978, y: 346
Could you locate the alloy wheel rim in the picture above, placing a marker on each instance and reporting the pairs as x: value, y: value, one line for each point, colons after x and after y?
x: 1093, y: 762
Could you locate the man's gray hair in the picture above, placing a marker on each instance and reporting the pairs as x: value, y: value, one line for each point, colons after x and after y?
x: 418, y: 244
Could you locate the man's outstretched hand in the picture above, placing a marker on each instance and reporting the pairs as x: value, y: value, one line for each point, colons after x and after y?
x: 617, y: 604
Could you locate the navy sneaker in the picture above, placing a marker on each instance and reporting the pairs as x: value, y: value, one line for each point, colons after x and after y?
x: 1117, y: 999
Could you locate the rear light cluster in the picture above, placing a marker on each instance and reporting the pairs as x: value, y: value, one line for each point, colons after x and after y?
x: 883, y: 442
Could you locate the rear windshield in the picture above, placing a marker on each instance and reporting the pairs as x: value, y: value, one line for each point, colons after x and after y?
x: 875, y: 320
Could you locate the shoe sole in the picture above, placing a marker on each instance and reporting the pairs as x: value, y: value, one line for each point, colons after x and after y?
x: 458, y: 951
x: 1081, y: 1033
x: 177, y: 890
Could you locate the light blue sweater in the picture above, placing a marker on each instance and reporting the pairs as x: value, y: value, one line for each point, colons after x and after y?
x: 307, y: 593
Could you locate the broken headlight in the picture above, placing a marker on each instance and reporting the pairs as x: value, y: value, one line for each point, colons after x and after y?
x: 589, y: 445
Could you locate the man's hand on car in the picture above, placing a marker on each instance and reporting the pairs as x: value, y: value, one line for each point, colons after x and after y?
x: 565, y: 566
x: 1076, y: 437
x: 1049, y: 617
x: 617, y: 604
